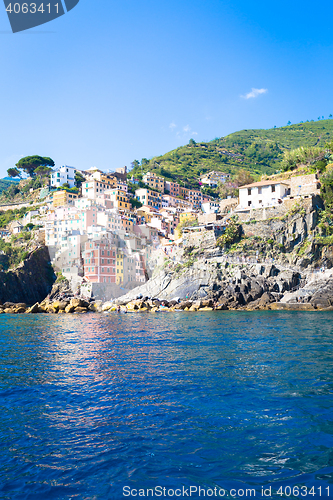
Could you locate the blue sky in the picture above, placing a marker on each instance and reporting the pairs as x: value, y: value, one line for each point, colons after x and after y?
x: 110, y: 82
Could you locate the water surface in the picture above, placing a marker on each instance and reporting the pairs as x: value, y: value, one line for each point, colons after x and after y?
x: 91, y: 403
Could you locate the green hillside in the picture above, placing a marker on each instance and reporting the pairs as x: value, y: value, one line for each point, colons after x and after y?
x: 5, y: 183
x: 258, y: 151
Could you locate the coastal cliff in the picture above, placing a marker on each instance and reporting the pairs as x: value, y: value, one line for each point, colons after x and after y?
x: 273, y: 261
x: 31, y: 281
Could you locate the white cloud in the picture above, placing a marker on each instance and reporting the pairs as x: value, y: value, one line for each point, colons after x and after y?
x: 187, y: 128
x: 194, y: 133
x: 172, y: 125
x: 254, y: 93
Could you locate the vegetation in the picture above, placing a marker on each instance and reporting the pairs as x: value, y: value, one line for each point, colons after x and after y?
x: 11, y: 256
x: 256, y: 151
x: 326, y: 189
x: 29, y: 164
x: 78, y: 177
x: 302, y: 156
x: 185, y: 223
x: 231, y: 234
x: 13, y: 172
x: 135, y: 203
x: 9, y: 215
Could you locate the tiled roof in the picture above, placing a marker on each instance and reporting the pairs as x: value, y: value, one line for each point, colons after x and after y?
x: 264, y: 183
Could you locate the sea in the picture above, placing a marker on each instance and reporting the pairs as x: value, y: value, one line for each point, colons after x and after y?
x: 167, y: 405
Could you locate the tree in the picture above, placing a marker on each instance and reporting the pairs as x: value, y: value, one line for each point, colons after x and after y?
x: 330, y: 116
x: 135, y: 164
x: 79, y: 178
x: 243, y: 177
x: 13, y: 172
x: 191, y: 142
x: 289, y: 123
x: 30, y: 163
x: 43, y: 171
x: 135, y: 203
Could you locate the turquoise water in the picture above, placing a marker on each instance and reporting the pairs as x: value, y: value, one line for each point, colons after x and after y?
x: 227, y: 400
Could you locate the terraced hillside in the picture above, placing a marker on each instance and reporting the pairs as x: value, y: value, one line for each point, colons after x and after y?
x: 259, y: 151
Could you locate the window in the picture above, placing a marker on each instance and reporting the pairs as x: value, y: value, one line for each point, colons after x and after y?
x: 273, y: 189
x: 102, y: 261
x: 249, y: 203
x: 260, y: 191
x: 249, y: 191
x: 102, y: 269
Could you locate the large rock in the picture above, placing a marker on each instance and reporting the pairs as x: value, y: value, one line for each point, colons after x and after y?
x: 31, y: 281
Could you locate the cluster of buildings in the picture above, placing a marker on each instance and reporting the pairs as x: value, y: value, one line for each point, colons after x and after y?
x: 96, y: 235
x: 162, y: 194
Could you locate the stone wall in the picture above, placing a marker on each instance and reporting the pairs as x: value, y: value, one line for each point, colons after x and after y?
x: 206, y: 218
x: 201, y: 239
x: 290, y: 231
x: 228, y: 205
x: 257, y: 214
x: 13, y: 206
x: 301, y: 185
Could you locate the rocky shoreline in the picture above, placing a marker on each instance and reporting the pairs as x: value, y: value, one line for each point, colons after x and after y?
x: 206, y: 286
x: 82, y: 306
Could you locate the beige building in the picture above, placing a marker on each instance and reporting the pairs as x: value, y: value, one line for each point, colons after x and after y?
x: 302, y: 185
x: 62, y: 198
x: 154, y: 181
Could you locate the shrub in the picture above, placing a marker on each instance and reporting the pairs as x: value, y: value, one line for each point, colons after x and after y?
x: 231, y: 234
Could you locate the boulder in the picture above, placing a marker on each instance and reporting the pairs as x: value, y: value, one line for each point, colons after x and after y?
x: 78, y: 302
x: 19, y: 310
x: 51, y: 310
x: 7, y: 305
x: 195, y: 306
x: 95, y: 306
x: 106, y: 306
x: 279, y: 306
x: 207, y: 303
x: 221, y: 306
x: 69, y: 309
x: 80, y: 310
x: 33, y: 309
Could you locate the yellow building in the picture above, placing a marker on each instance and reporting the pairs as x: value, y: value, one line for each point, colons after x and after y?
x: 107, y: 179
x: 120, y: 268
x: 120, y: 199
x: 146, y: 213
x: 61, y: 198
x: 183, y: 218
x: 149, y: 198
x: 187, y: 216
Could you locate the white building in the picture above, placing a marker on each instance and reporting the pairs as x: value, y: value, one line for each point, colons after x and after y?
x: 262, y: 194
x: 210, y: 207
x: 63, y: 175
x: 213, y: 178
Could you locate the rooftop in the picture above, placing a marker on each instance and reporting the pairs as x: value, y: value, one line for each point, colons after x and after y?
x: 264, y: 183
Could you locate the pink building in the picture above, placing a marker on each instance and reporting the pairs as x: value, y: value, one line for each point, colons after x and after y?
x: 99, y: 261
x: 172, y: 187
